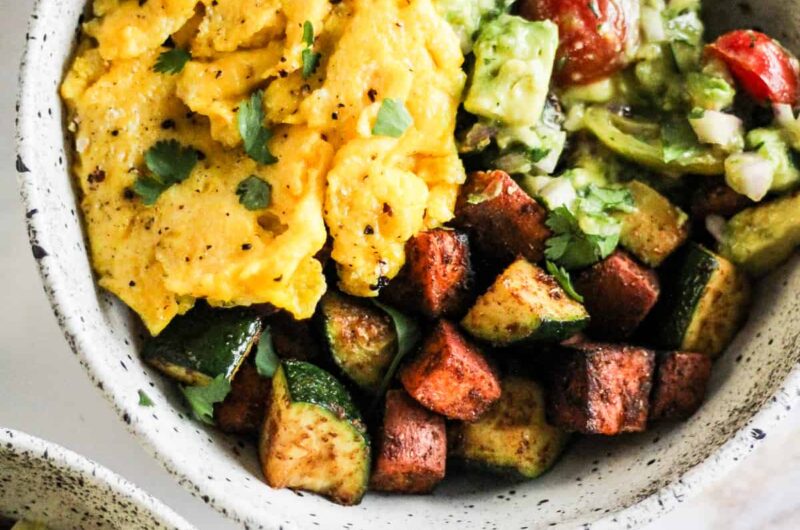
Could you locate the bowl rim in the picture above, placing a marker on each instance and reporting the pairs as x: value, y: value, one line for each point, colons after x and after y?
x: 651, y: 504
x: 19, y: 442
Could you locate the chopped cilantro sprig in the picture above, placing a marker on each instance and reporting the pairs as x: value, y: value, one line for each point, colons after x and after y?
x: 590, y: 233
x: 172, y: 61
x: 202, y: 399
x: 250, y: 120
x: 310, y: 57
x: 267, y: 360
x: 168, y: 163
x: 254, y: 193
x: 393, y: 119
x: 562, y: 277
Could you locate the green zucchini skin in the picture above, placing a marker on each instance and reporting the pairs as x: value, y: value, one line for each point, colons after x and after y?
x: 513, y: 438
x: 693, y: 274
x: 524, y: 305
x: 308, y: 383
x: 314, y: 438
x: 203, y: 344
x: 360, y: 337
x: 705, y: 303
x: 557, y: 330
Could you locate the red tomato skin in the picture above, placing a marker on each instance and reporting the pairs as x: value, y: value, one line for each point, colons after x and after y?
x: 594, y: 35
x: 761, y: 66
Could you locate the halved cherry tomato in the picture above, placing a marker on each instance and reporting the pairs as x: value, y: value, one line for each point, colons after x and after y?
x: 594, y: 35
x: 763, y: 68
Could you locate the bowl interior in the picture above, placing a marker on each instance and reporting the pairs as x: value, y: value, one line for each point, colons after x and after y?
x: 598, y: 477
x: 43, y: 482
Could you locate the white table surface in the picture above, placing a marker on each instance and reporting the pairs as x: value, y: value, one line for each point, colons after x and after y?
x: 43, y: 390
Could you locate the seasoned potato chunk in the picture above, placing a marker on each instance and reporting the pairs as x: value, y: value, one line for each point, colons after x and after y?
x: 436, y: 278
x: 294, y: 339
x: 451, y: 376
x: 411, y: 448
x: 602, y: 388
x: 502, y: 219
x: 244, y: 408
x: 680, y: 384
x: 718, y: 199
x: 618, y: 293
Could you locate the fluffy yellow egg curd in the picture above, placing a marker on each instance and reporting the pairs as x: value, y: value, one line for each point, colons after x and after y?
x: 333, y: 178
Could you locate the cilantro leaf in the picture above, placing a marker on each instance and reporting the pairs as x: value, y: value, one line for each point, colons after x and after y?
x: 170, y: 161
x: 562, y: 277
x: 250, y: 120
x: 144, y: 400
x: 254, y: 193
x: 202, y: 398
x: 172, y: 61
x: 393, y: 119
x: 408, y: 334
x: 310, y: 57
x: 310, y: 62
x: 308, y: 33
x: 266, y: 358
x: 597, y: 200
x: 149, y: 188
x: 679, y: 141
x: 571, y: 246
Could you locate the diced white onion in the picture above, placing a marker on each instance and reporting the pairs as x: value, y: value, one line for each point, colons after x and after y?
x: 653, y: 25
x: 574, y: 119
x: 720, y: 128
x: 784, y: 114
x: 558, y: 192
x: 749, y: 174
x: 715, y: 225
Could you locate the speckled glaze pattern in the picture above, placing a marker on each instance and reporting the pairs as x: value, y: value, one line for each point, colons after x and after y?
x: 600, y: 483
x: 44, y: 482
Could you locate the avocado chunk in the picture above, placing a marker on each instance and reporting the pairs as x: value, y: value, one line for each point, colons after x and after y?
x: 466, y: 16
x: 513, y: 64
x: 771, y: 145
x: 709, y: 92
x: 760, y: 238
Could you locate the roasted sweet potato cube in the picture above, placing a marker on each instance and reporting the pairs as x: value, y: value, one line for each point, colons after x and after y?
x: 293, y: 339
x: 618, y: 293
x: 411, y: 447
x: 451, y: 376
x: 243, y: 410
x: 502, y: 220
x: 599, y: 388
x: 718, y: 199
x: 437, y: 276
x: 680, y: 384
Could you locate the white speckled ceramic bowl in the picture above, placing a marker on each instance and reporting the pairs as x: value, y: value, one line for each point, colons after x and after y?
x: 600, y: 482
x: 44, y: 482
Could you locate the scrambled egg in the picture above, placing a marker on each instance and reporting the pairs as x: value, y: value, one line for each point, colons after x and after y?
x: 333, y: 178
